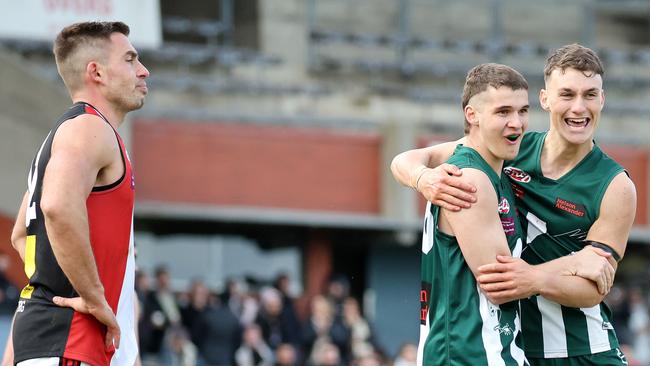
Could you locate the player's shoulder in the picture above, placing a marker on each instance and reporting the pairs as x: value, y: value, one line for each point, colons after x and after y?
x: 622, y: 186
x: 84, y: 128
x: 85, y: 134
x: 479, y: 178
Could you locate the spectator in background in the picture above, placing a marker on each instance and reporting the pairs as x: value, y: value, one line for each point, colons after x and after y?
x: 250, y: 308
x: 618, y: 301
x: 234, y: 296
x: 198, y: 301
x: 271, y: 319
x: 407, y: 355
x: 321, y: 331
x: 360, y: 334
x: 286, y: 355
x: 338, y: 290
x: 142, y: 288
x: 254, y: 351
x: 179, y: 350
x: 639, y: 325
x: 160, y: 312
x: 326, y: 355
x: 142, y: 285
x: 8, y: 292
x: 367, y: 360
x: 214, y: 329
x: 8, y: 301
x: 289, y: 315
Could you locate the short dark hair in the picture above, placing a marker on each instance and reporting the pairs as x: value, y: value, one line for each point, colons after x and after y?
x: 90, y: 35
x: 482, y: 76
x: 574, y: 56
x: 77, y: 34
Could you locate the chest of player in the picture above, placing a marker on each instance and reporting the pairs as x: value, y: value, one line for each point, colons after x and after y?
x: 558, y: 213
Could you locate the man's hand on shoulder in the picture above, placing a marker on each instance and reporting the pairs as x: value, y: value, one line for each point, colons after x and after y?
x: 443, y: 186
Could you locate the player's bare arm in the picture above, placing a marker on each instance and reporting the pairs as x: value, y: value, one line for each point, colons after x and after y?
x: 82, y: 150
x: 563, y: 280
x: 479, y: 247
x: 19, y: 232
x: 581, y: 280
x: 616, y: 216
x: 425, y: 171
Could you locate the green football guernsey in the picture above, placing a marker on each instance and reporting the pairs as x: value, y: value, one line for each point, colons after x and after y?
x: 459, y: 326
x: 558, y: 214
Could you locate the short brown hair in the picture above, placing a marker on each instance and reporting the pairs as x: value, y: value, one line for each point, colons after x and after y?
x: 576, y: 57
x: 74, y: 37
x: 482, y: 76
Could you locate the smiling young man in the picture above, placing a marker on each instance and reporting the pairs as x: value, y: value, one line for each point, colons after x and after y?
x: 74, y: 226
x: 495, y: 106
x: 572, y: 195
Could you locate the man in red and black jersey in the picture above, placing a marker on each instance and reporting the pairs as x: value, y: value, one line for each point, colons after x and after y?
x: 74, y: 226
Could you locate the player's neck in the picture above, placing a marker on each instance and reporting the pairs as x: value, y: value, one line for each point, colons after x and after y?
x: 114, y: 116
x: 493, y: 161
x: 559, y: 156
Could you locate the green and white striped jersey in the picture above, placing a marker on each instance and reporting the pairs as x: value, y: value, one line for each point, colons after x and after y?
x: 559, y: 214
x: 459, y: 326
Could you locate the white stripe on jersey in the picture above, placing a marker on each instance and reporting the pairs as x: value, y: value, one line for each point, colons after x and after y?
x: 427, y: 231
x: 427, y: 244
x: 516, y: 352
x: 553, y: 331
x: 536, y: 227
x: 128, y: 351
x: 598, y: 337
x: 490, y: 314
x: 516, y: 253
x: 424, y: 333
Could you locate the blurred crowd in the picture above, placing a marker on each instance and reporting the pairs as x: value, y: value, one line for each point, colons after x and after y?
x: 632, y: 322
x: 258, y: 324
x: 255, y: 325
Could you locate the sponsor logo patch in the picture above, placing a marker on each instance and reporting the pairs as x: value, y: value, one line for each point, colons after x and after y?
x: 505, y: 329
x: 425, y: 292
x: 504, y: 206
x: 517, y: 174
x: 508, y: 224
x: 570, y: 207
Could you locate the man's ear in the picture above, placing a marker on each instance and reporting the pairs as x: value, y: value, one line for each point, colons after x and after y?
x: 471, y: 115
x: 94, y: 71
x: 543, y: 99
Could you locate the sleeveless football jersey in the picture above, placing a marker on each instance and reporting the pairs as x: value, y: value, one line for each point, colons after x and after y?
x: 41, y: 328
x: 458, y: 325
x: 559, y: 214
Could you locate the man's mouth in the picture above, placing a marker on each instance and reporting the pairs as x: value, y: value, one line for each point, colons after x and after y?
x: 513, y: 137
x: 577, y: 122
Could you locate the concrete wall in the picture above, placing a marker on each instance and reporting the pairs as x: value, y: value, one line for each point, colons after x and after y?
x: 28, y: 108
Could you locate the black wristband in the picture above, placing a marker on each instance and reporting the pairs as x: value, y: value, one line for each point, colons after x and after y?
x: 604, y: 247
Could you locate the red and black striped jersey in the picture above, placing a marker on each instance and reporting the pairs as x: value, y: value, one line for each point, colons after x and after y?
x: 41, y: 328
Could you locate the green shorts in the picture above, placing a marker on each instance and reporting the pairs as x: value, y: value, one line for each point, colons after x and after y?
x: 612, y: 357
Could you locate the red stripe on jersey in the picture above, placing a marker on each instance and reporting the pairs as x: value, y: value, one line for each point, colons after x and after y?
x: 110, y: 218
x: 90, y: 110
